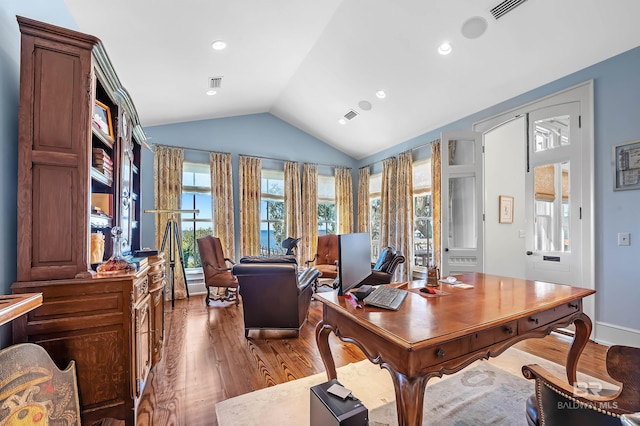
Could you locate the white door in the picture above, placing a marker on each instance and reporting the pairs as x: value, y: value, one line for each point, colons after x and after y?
x: 556, y: 230
x: 461, y: 202
x: 553, y: 195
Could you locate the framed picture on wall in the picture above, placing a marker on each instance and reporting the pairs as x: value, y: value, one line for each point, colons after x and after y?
x: 626, y: 171
x: 505, y: 209
x: 102, y: 119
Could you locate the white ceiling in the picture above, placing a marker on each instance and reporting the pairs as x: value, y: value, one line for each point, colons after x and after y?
x: 310, y: 61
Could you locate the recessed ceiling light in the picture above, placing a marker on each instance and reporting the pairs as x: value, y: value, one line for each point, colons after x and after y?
x: 342, y: 121
x: 211, y: 92
x: 445, y: 48
x: 381, y: 94
x: 218, y: 45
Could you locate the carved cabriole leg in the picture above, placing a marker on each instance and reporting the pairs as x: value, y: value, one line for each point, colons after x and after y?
x: 322, y: 340
x: 583, y: 331
x: 409, y: 397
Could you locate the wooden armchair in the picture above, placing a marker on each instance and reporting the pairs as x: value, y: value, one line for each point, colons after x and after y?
x: 33, y: 390
x: 326, y: 257
x: 556, y: 402
x: 217, y: 270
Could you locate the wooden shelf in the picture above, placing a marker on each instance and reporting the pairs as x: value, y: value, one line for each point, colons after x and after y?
x: 14, y: 305
x: 100, y: 135
x: 100, y: 177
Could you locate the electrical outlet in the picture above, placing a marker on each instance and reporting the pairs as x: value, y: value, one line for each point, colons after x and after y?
x: 623, y: 239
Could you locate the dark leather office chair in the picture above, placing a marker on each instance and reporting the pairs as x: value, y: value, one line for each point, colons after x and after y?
x: 556, y: 402
x: 273, y: 295
x: 326, y: 257
x: 382, y: 271
x: 217, y: 272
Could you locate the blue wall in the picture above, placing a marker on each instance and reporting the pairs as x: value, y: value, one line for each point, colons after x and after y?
x: 262, y: 135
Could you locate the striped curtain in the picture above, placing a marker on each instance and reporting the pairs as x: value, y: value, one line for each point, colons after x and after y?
x: 404, y: 215
x: 222, y: 201
x: 292, y: 201
x: 167, y: 174
x: 250, y: 179
x: 344, y: 199
x: 435, y: 199
x: 363, y: 199
x: 388, y: 202
x: 309, y: 243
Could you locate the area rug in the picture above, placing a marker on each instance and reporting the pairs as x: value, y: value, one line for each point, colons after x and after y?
x: 486, y: 393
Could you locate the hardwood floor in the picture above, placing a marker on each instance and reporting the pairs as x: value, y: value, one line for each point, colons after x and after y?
x: 206, y: 360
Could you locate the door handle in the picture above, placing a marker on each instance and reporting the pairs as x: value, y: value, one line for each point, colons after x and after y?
x: 529, y: 252
x: 446, y: 249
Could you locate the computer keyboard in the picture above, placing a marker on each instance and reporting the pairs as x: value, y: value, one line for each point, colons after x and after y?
x: 386, y: 297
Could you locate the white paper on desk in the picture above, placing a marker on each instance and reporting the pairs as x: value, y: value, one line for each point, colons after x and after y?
x: 463, y: 285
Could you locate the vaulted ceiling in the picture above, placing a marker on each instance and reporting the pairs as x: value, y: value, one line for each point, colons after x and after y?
x: 310, y: 62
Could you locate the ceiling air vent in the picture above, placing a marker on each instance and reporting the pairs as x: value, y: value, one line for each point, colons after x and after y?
x: 505, y: 7
x: 350, y: 115
x: 215, y: 82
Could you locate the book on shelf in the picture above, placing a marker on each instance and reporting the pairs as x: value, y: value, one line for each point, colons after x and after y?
x: 145, y: 253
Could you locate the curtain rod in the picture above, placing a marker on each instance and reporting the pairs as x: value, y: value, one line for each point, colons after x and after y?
x: 245, y: 155
x: 189, y: 149
x: 411, y: 149
x: 293, y: 161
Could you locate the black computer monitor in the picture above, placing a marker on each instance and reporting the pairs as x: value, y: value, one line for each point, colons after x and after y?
x: 354, y: 260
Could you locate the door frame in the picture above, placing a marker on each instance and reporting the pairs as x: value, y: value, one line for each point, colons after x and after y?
x: 582, y: 93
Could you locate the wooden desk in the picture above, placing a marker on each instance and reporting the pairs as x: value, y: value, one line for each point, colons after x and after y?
x: 429, y: 337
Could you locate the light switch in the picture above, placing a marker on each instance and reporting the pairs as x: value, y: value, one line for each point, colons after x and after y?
x: 623, y: 239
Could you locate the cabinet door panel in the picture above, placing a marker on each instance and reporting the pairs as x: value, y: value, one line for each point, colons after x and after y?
x: 143, y: 344
x: 53, y: 157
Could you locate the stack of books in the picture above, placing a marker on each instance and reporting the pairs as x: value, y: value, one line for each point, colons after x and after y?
x: 102, y: 162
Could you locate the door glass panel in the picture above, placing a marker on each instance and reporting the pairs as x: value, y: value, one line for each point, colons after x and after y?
x: 551, y: 204
x: 551, y: 133
x: 462, y: 152
x: 463, y: 232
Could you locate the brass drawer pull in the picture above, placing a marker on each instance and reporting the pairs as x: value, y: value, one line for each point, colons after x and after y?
x: 440, y: 353
x: 509, y: 330
x: 533, y: 320
x: 573, y: 305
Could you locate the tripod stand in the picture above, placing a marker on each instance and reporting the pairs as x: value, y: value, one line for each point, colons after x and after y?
x: 172, y: 235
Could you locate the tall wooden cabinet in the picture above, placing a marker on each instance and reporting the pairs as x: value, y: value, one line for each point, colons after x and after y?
x: 78, y: 174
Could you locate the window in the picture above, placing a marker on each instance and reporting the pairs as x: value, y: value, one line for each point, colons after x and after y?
x: 196, y: 194
x: 375, y: 191
x: 422, y: 220
x: 272, y: 212
x: 327, y: 223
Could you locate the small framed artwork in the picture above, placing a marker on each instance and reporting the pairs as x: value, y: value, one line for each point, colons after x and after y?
x: 506, y: 209
x: 102, y: 119
x: 626, y: 170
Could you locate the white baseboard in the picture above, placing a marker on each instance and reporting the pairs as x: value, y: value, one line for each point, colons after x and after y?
x: 609, y: 334
x: 197, y: 288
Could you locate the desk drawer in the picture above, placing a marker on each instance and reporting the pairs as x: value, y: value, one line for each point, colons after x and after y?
x: 446, y: 351
x: 545, y: 317
x: 485, y: 338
